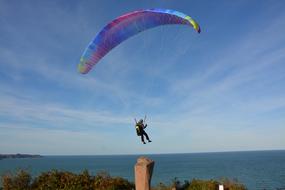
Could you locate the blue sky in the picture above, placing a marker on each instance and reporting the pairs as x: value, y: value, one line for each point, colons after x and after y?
x: 221, y: 90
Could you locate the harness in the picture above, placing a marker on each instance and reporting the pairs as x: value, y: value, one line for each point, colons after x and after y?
x: 138, y: 130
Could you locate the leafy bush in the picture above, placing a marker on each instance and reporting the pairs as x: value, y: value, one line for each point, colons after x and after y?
x: 103, y: 181
x: 61, y: 180
x: 196, y: 184
x: 203, y: 185
x: 20, y: 181
x: 232, y: 184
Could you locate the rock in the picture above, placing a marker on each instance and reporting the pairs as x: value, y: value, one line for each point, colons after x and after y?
x: 143, y: 173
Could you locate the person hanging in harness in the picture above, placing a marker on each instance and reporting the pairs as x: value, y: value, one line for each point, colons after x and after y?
x: 140, y: 126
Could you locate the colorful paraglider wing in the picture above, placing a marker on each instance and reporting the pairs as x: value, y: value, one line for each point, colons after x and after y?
x: 126, y: 26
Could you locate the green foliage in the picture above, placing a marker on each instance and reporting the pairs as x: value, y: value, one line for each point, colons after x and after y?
x: 203, y: 185
x: 196, y: 184
x: 20, y: 181
x: 61, y: 180
x: 232, y: 184
x: 103, y: 181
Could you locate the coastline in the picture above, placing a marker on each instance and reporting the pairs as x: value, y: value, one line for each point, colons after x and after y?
x: 13, y: 156
x: 255, y: 169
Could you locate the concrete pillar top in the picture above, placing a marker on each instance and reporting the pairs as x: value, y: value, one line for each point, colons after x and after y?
x: 144, y: 160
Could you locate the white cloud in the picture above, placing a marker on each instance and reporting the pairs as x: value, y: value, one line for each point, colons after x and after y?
x: 25, y: 139
x: 248, y: 63
x: 27, y: 110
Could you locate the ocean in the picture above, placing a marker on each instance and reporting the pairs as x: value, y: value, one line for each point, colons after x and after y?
x: 256, y: 169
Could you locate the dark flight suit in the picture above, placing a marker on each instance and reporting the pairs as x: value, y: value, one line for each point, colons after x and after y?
x: 142, y: 132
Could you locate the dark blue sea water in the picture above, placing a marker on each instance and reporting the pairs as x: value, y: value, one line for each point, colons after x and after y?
x: 255, y: 169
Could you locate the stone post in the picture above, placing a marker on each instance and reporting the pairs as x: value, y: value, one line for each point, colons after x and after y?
x: 143, y: 173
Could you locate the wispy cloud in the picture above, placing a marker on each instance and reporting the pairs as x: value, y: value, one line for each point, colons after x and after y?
x: 247, y: 63
x: 219, y: 83
x: 26, y: 110
x: 23, y: 138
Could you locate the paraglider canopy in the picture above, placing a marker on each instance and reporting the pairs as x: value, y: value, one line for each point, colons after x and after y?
x: 126, y: 26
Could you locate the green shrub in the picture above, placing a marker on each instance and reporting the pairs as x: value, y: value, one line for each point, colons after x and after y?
x: 197, y: 184
x: 203, y: 185
x: 232, y: 184
x: 20, y: 181
x: 103, y: 181
x: 61, y: 180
